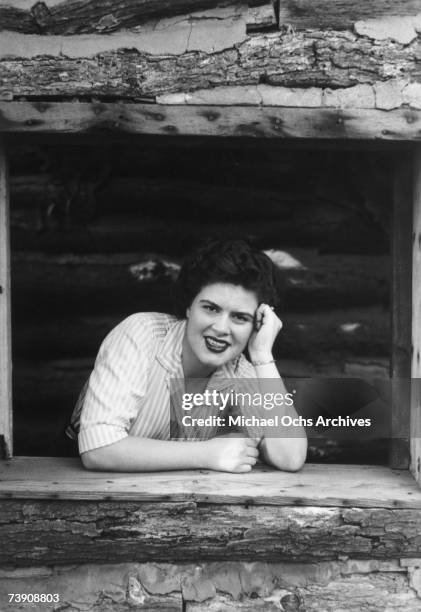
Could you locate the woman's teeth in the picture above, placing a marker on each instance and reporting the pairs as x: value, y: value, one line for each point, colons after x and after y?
x: 215, y: 345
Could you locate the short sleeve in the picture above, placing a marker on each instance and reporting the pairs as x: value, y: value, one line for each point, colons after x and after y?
x: 116, y: 386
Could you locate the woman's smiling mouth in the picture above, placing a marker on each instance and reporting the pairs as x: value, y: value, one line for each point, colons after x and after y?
x: 216, y: 345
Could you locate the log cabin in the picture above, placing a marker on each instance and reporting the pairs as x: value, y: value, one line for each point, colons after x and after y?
x: 130, y: 131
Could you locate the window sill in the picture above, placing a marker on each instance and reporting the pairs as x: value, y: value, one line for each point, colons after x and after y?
x: 54, y: 512
x: 316, y: 485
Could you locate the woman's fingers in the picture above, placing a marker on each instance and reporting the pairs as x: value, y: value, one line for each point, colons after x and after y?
x: 245, y: 467
x: 252, y: 442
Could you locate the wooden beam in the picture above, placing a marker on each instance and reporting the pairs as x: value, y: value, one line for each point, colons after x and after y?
x: 223, y: 121
x: 340, y: 14
x: 346, y: 333
x: 76, y: 16
x: 211, y: 54
x: 401, y: 314
x: 5, y: 319
x: 343, y: 486
x: 416, y: 323
x: 51, y: 532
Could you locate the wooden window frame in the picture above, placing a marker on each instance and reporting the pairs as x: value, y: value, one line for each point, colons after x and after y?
x: 366, y: 126
x: 6, y: 419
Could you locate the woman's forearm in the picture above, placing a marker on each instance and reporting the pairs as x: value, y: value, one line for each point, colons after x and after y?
x: 289, y: 451
x: 133, y: 454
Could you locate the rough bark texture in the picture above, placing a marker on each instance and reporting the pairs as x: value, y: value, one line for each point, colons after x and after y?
x: 310, y: 58
x: 75, y: 16
x: 73, y: 532
x: 340, y: 14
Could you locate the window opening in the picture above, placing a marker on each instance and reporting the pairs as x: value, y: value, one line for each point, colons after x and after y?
x: 98, y: 232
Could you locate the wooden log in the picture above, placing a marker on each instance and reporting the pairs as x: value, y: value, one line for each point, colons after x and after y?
x: 359, y: 332
x: 101, y: 283
x: 56, y: 229
x: 415, y: 432
x: 309, y: 337
x: 240, y: 199
x: 179, y: 527
x: 190, y: 199
x: 401, y: 313
x: 57, y: 533
x: 338, y: 15
x: 245, y: 122
x: 52, y: 386
x: 6, y: 415
x: 125, y: 68
x: 74, y: 16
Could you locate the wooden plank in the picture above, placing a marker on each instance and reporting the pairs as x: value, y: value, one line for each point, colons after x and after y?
x: 5, y: 319
x: 253, y: 69
x: 401, y: 314
x: 52, y: 532
x: 340, y: 14
x: 347, y: 333
x: 320, y: 226
x: 329, y: 281
x: 315, y: 485
x: 224, y: 121
x: 77, y: 16
x: 416, y: 323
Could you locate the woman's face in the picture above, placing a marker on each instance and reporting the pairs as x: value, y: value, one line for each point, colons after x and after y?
x: 220, y: 321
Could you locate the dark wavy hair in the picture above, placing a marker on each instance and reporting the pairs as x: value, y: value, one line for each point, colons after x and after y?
x: 234, y: 262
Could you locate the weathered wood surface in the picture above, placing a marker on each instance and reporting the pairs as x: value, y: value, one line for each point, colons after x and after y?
x: 416, y: 321
x: 76, y: 16
x: 345, y: 333
x: 254, y: 122
x: 51, y: 229
x: 71, y: 16
x: 53, y: 532
x: 340, y: 14
x: 315, y: 485
x: 232, y: 197
x: 401, y: 313
x: 363, y: 512
x: 125, y: 66
x: 191, y: 198
x: 125, y: 280
x: 5, y: 314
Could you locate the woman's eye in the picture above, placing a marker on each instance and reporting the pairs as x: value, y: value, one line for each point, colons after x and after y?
x: 241, y: 318
x: 209, y: 307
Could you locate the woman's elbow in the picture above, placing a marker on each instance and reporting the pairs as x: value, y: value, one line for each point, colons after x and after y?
x: 288, y: 458
x: 294, y: 464
x: 91, y: 461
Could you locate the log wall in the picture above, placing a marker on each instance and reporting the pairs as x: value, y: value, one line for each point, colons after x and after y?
x: 300, y: 54
x: 100, y: 232
x: 344, y: 70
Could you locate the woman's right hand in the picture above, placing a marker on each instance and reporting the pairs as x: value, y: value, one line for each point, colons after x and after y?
x: 231, y: 454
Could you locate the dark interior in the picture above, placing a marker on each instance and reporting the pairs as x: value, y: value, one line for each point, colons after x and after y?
x: 98, y: 232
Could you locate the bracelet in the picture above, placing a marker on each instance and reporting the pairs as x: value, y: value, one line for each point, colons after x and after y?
x: 262, y: 363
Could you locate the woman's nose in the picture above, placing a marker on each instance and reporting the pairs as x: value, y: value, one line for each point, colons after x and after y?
x: 220, y: 325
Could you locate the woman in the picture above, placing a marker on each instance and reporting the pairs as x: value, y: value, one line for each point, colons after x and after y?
x: 130, y: 412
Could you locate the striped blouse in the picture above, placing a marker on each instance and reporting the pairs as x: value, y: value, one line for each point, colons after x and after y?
x: 132, y: 387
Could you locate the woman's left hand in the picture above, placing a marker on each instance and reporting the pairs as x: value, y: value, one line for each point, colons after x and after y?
x: 267, y: 327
